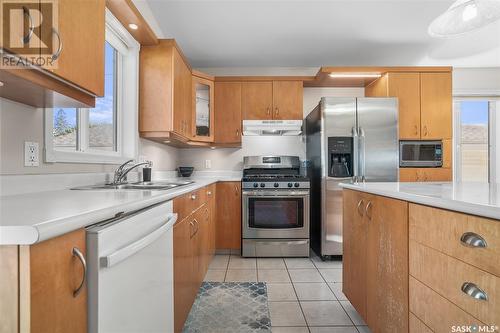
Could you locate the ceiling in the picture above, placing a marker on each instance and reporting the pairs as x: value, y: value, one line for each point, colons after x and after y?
x: 279, y: 33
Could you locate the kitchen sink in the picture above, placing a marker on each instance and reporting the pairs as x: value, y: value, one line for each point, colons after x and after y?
x: 136, y: 186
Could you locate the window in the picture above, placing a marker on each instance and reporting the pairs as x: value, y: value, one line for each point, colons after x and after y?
x: 106, y: 133
x: 475, y: 139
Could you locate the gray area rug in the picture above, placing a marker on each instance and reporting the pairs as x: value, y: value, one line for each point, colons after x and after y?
x: 227, y: 307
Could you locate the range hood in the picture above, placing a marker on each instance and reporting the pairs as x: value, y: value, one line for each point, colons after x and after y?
x: 272, y: 127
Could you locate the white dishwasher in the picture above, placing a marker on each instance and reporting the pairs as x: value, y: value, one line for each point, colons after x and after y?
x: 130, y: 272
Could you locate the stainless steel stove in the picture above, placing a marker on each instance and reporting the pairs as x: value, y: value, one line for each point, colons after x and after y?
x: 275, y: 198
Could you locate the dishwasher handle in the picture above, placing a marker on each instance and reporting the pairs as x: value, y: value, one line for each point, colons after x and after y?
x: 125, y: 252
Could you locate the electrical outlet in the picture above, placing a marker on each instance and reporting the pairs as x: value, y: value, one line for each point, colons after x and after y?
x: 208, y: 164
x: 31, y: 154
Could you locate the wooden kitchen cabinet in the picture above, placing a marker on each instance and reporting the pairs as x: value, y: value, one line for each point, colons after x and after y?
x: 375, y: 270
x: 228, y: 113
x: 228, y: 223
x: 165, y: 94
x: 435, y: 107
x: 81, y: 27
x: 425, y: 174
x: 55, y: 274
x: 257, y: 100
x: 406, y: 87
x: 272, y: 100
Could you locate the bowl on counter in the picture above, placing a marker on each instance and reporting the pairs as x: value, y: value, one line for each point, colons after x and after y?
x: 185, y: 171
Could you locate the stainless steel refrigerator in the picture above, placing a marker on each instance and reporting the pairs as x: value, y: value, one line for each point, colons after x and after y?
x: 347, y: 140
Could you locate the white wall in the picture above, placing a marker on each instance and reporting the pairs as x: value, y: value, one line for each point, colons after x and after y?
x: 476, y: 81
x: 20, y: 123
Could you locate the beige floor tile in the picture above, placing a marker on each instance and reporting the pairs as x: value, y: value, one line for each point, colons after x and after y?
x: 286, y: 314
x: 353, y: 314
x: 314, y: 292
x: 270, y: 263
x: 280, y: 292
x: 333, y: 329
x: 362, y: 329
x: 294, y: 263
x: 215, y: 275
x: 327, y: 263
x: 305, y: 275
x: 241, y: 275
x: 273, y: 275
x: 219, y: 261
x: 237, y: 262
x: 337, y: 290
x: 331, y: 274
x: 290, y: 330
x: 325, y: 313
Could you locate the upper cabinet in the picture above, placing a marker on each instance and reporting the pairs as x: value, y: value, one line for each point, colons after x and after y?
x: 263, y: 100
x: 228, y: 96
x: 425, y: 110
x: 165, y: 94
x: 203, y: 108
x: 68, y: 44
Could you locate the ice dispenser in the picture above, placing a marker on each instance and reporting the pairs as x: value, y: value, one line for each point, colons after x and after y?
x: 340, y: 157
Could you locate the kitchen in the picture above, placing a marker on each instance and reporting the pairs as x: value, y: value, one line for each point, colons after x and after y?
x: 255, y: 235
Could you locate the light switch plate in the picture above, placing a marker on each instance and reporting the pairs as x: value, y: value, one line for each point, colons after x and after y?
x: 31, y: 154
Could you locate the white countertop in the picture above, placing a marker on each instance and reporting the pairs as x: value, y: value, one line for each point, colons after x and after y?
x: 472, y: 198
x: 30, y: 218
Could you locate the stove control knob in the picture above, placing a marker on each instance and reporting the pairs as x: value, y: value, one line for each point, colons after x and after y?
x: 290, y: 184
x: 296, y: 184
x: 262, y: 185
x: 276, y: 185
x: 255, y: 185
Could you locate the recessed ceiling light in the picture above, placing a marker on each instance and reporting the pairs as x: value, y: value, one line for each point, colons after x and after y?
x: 133, y: 26
x: 355, y: 75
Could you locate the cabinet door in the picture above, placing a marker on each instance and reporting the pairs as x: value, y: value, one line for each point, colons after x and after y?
x: 228, y: 223
x: 435, y: 96
x: 211, y: 193
x: 406, y: 87
x: 182, y: 96
x: 257, y: 100
x: 354, y: 249
x: 81, y: 28
x: 437, y: 174
x: 56, y: 272
x: 203, y: 109
x: 183, y: 266
x: 288, y: 100
x: 227, y: 112
x: 387, y: 264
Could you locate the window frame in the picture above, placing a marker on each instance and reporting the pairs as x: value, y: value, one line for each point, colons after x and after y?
x: 126, y: 117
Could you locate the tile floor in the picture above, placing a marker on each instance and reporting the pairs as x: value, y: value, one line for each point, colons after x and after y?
x: 305, y: 295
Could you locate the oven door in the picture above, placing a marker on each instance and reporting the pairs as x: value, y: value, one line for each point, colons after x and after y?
x: 275, y: 214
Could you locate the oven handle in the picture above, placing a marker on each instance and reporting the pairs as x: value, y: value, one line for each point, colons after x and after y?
x: 277, y: 242
x: 276, y: 193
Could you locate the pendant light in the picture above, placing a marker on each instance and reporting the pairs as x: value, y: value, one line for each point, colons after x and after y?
x: 464, y: 16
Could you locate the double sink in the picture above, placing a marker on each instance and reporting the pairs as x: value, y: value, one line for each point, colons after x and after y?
x: 136, y: 186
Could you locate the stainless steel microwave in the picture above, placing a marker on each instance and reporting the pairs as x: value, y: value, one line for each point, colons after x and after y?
x: 421, y: 154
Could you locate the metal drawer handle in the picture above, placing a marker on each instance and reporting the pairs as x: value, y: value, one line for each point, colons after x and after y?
x: 209, y: 193
x: 474, y: 291
x: 268, y: 111
x: 197, y: 226
x: 360, y: 204
x: 77, y: 253
x: 31, y: 26
x: 192, y: 228
x: 471, y: 239
x: 277, y: 111
x: 369, y: 210
x: 56, y: 55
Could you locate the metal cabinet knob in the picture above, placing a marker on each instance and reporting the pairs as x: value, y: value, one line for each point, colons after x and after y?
x: 77, y: 253
x: 369, y: 210
x: 360, y: 207
x: 209, y: 193
x: 193, y: 196
x: 474, y: 291
x: 471, y: 239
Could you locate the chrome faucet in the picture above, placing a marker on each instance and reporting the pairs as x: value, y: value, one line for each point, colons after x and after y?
x: 121, y: 173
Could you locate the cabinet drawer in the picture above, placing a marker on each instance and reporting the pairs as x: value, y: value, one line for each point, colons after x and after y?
x: 448, y: 276
x: 185, y: 204
x: 435, y: 311
x: 442, y: 230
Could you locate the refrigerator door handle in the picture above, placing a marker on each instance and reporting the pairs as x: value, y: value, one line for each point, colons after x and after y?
x: 355, y: 139
x: 362, y: 153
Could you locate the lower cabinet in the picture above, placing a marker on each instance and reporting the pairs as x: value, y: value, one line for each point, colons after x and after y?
x: 193, y: 248
x: 228, y: 223
x: 375, y: 259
